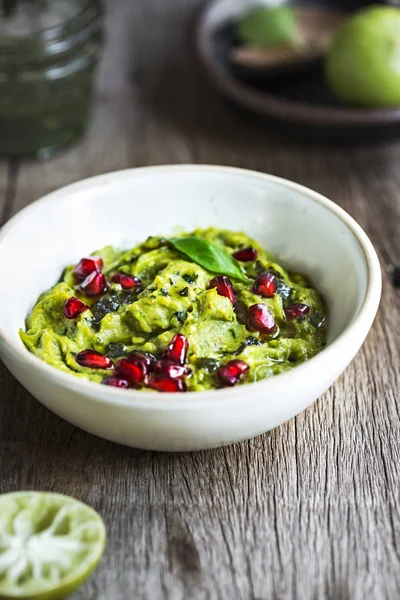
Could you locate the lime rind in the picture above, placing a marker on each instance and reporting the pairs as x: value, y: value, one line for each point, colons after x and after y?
x: 268, y: 26
x: 362, y: 66
x: 49, y: 545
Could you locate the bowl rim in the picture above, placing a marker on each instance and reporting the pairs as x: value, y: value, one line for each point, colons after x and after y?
x: 272, y: 105
x: 360, y: 323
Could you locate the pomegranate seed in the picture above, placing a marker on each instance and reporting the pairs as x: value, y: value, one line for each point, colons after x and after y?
x: 147, y: 359
x: 127, y: 282
x: 232, y: 372
x: 115, y: 382
x: 166, y: 384
x: 295, y: 311
x: 87, y: 265
x: 260, y: 319
x: 74, y: 307
x: 246, y: 254
x: 177, y: 349
x: 224, y: 287
x: 93, y: 360
x: 133, y: 369
x: 168, y: 368
x: 94, y: 284
x: 265, y: 285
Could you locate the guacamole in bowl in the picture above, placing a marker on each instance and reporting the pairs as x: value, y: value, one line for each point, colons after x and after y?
x: 200, y: 311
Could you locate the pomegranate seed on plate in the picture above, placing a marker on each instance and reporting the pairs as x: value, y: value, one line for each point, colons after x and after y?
x: 94, y: 284
x: 127, y: 282
x: 224, y: 287
x: 173, y: 370
x: 232, y: 372
x: 74, y: 307
x: 295, y: 311
x: 260, y: 319
x: 177, y: 349
x: 93, y: 360
x: 87, y: 266
x: 166, y: 384
x: 246, y: 254
x: 265, y: 285
x: 115, y: 382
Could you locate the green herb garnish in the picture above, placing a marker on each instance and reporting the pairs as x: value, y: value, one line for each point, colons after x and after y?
x: 210, y: 257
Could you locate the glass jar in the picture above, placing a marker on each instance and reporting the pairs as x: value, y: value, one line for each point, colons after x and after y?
x: 48, y: 53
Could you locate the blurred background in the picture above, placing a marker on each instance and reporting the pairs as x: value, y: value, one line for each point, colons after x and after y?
x: 171, y: 59
x: 165, y: 90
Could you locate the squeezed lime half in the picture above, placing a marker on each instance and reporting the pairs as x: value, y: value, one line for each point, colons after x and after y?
x: 49, y: 545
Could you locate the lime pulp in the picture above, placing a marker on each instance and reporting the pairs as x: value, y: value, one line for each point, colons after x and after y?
x: 49, y: 545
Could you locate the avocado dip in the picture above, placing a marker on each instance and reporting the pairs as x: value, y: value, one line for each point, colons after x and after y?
x: 200, y: 311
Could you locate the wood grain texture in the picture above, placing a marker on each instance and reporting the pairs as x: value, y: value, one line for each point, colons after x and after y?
x: 307, y: 512
x: 8, y: 177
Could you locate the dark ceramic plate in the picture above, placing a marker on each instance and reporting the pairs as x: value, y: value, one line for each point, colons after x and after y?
x: 300, y: 103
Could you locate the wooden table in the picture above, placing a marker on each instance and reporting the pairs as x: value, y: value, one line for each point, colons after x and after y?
x: 308, y: 511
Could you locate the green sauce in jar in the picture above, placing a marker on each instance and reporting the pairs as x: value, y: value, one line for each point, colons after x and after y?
x: 48, y: 54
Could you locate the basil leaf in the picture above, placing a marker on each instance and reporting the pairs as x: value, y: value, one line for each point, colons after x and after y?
x: 267, y: 26
x: 211, y: 257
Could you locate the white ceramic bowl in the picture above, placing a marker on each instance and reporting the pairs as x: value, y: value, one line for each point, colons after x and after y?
x: 304, y: 230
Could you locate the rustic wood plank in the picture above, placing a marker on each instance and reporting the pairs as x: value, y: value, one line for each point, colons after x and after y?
x: 7, y: 190
x: 309, y: 511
